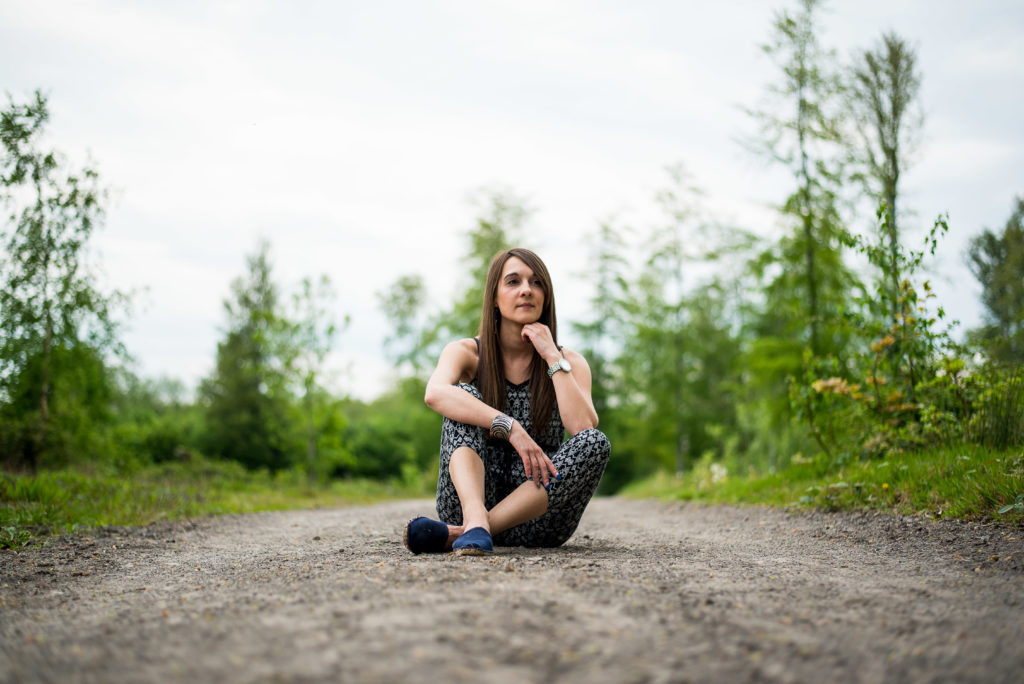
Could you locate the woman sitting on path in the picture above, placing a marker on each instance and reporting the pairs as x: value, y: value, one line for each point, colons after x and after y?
x: 507, y: 398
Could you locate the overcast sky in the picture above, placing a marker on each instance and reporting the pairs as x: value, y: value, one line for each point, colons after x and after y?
x: 351, y: 135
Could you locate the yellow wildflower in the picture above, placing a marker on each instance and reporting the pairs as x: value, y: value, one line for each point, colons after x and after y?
x: 834, y: 385
x: 883, y: 343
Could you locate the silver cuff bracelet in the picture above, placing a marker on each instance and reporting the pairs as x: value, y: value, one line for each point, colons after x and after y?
x: 501, y: 426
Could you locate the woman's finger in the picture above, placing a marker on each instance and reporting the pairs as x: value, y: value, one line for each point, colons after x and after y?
x: 550, y: 472
x: 552, y: 469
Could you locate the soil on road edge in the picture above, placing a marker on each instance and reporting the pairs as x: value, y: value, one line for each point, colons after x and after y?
x: 644, y: 592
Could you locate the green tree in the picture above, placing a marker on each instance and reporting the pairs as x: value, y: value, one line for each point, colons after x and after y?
x: 665, y: 307
x: 877, y: 401
x: 395, y: 436
x: 403, y: 303
x: 677, y: 352
x: 800, y: 283
x: 997, y: 261
x: 248, y: 396
x: 800, y: 130
x: 310, y: 330
x: 153, y: 421
x: 601, y: 336
x: 883, y: 97
x: 605, y: 268
x: 52, y: 306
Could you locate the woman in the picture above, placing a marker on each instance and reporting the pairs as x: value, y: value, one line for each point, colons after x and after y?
x: 507, y: 398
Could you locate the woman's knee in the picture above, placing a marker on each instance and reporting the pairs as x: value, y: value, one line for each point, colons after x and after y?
x: 593, y: 442
x: 464, y: 455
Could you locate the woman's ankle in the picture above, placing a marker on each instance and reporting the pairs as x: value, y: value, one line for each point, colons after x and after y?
x: 454, y: 532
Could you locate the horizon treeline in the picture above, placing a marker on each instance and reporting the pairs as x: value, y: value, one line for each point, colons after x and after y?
x: 708, y: 343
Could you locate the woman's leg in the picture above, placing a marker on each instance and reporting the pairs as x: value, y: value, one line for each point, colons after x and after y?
x: 518, y: 512
x: 477, y: 484
x: 466, y: 469
x: 471, y: 476
x: 449, y: 505
x: 463, y: 497
x: 526, y: 502
x: 580, y: 461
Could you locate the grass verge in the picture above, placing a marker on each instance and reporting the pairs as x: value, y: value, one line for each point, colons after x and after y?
x: 963, y: 481
x: 34, y: 507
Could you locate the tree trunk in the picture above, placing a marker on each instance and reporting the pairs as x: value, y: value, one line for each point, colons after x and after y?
x: 808, y: 225
x: 310, y: 435
x: 44, y: 392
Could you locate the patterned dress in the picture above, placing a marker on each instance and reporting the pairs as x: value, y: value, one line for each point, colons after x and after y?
x: 580, y: 461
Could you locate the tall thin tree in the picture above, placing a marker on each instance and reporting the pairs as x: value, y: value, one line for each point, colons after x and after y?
x: 248, y: 394
x: 997, y: 261
x: 800, y: 128
x: 48, y: 294
x: 883, y: 96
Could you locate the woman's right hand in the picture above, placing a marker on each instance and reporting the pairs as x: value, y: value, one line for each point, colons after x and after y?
x: 536, y: 463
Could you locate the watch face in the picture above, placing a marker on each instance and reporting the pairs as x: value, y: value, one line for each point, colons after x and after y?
x: 561, y: 364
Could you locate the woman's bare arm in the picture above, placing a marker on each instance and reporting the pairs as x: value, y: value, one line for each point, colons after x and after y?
x: 458, y: 363
x: 572, y: 391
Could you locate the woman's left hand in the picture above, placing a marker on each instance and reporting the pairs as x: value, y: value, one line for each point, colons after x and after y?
x: 539, y: 335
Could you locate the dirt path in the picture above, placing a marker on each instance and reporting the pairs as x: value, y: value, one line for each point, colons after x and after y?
x: 644, y: 592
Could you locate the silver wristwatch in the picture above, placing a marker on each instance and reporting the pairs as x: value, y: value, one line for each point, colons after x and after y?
x: 561, y: 364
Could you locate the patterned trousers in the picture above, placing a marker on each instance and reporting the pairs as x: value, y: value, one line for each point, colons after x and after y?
x: 580, y: 461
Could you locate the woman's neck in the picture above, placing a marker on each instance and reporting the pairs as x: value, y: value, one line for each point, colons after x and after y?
x: 513, y: 346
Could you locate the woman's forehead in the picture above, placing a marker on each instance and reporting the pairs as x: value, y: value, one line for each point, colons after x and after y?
x: 516, y: 265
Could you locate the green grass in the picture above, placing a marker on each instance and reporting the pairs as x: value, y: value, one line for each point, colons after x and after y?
x: 967, y: 482
x: 35, y: 507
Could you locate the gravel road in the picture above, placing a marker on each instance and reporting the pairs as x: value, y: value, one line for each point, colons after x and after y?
x: 644, y: 592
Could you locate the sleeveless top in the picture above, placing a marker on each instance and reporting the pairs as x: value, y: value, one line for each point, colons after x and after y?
x: 548, y: 439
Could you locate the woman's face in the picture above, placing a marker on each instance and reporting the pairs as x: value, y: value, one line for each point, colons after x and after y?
x: 520, y: 296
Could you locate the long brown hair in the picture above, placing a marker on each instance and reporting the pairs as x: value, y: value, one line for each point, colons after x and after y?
x: 491, y: 370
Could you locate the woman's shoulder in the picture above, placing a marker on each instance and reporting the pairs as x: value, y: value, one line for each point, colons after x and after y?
x: 468, y: 345
x: 571, y: 356
x: 464, y: 357
x: 580, y: 367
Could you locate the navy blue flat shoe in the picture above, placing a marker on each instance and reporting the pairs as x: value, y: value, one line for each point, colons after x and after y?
x: 474, y: 542
x: 423, y: 535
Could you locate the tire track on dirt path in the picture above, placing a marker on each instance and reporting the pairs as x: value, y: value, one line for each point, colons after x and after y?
x: 644, y: 592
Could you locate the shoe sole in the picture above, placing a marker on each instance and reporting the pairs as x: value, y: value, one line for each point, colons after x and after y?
x: 472, y: 552
x: 405, y: 535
